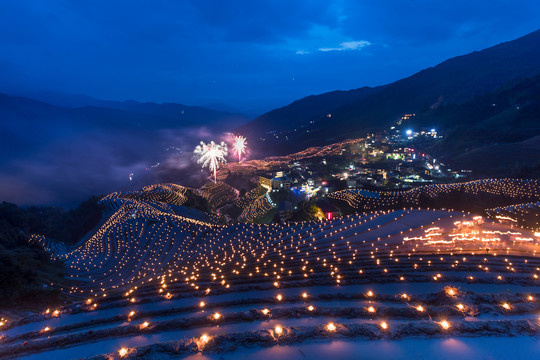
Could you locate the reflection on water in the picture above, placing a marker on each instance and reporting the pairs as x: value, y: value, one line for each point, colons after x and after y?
x: 456, y: 346
x: 494, y: 348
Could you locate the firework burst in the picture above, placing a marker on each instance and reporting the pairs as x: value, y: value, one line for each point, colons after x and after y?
x: 211, y: 155
x: 239, y: 146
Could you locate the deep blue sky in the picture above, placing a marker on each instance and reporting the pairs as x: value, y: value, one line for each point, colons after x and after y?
x: 252, y: 55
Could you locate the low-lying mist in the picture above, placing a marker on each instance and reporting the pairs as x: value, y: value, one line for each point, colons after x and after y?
x: 73, y: 168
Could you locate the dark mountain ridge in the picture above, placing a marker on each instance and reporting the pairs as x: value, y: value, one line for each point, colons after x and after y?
x: 453, y: 81
x: 27, y: 123
x: 302, y: 111
x: 61, y: 155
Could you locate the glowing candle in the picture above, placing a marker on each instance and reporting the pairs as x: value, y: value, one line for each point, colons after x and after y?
x: 445, y: 324
x: 451, y: 291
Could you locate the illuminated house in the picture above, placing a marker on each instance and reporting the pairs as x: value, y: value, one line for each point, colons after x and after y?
x: 281, y: 182
x: 265, y: 182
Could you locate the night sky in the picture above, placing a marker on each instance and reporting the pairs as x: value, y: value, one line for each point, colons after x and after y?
x: 251, y: 55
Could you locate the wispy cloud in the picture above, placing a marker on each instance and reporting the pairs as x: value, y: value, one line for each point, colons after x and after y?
x: 343, y: 46
x: 348, y: 45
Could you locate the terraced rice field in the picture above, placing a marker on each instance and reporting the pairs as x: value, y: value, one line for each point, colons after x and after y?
x: 159, y: 280
x: 511, y: 191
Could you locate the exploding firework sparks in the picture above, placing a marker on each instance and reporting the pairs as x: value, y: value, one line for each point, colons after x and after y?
x: 239, y: 146
x: 210, y: 155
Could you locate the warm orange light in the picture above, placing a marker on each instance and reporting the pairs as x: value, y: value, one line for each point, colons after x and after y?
x: 304, y: 295
x: 370, y: 293
x: 371, y: 309
x: 202, y: 304
x: 205, y: 338
x: 451, y: 291
x: 506, y: 306
x: 331, y: 327
x: 279, y: 297
x: 217, y: 316
x: 311, y: 308
x: 384, y: 325
x: 265, y: 311
x: 278, y: 330
x: 420, y: 308
x: 144, y: 325
x: 445, y: 324
x: 122, y: 352
x: 460, y: 306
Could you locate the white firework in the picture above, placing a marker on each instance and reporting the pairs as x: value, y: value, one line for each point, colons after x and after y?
x: 239, y: 146
x: 211, y: 155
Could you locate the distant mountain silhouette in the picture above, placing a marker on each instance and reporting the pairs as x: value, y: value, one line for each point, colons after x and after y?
x: 60, y: 99
x: 25, y: 120
x: 452, y: 82
x: 82, y: 100
x: 61, y: 155
x: 493, y: 134
x: 299, y: 113
x: 169, y: 114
